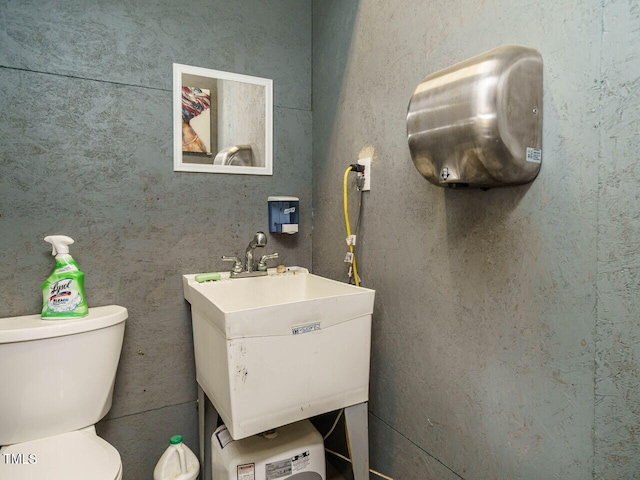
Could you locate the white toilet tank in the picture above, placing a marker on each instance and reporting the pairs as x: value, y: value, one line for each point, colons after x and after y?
x: 57, y: 375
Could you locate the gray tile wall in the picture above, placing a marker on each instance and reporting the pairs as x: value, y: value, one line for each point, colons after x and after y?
x: 86, y: 150
x: 494, y: 310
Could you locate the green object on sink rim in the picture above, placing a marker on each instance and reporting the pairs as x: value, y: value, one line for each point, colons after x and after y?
x: 207, y: 277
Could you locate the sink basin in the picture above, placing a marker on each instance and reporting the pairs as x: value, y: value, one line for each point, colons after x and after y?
x: 276, y: 349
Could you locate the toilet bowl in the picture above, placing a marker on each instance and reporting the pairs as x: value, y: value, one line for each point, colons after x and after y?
x: 56, y: 382
x: 78, y: 455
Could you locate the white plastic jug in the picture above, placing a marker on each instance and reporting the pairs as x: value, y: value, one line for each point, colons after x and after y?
x: 178, y: 462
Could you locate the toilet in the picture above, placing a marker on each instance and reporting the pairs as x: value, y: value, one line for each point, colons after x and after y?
x: 56, y: 382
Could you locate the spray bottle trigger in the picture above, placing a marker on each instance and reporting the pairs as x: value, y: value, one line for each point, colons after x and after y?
x: 60, y: 243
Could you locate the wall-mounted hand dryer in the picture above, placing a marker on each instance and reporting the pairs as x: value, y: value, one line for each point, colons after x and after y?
x: 479, y: 123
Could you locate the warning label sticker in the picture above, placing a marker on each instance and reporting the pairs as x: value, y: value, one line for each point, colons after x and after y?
x: 278, y: 469
x: 285, y: 468
x: 300, y: 462
x: 224, y: 437
x: 247, y: 471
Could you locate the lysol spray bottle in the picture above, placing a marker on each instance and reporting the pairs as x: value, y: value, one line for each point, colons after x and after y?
x: 63, y: 292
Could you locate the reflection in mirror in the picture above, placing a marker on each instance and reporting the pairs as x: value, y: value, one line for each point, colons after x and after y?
x: 223, y: 122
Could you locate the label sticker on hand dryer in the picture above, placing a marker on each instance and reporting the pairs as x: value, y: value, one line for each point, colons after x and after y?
x: 534, y: 155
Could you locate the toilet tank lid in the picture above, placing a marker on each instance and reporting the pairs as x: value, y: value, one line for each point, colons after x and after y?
x: 32, y: 327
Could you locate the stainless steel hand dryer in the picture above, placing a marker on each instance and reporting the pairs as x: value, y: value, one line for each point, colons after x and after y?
x: 479, y: 123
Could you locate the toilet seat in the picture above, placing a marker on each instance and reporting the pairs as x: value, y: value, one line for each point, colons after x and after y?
x: 77, y: 455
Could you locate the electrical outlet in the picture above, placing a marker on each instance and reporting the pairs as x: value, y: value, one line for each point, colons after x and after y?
x: 366, y: 174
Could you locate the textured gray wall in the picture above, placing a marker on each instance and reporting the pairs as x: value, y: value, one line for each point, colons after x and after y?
x: 495, y: 310
x: 492, y: 308
x: 617, y: 434
x: 86, y: 150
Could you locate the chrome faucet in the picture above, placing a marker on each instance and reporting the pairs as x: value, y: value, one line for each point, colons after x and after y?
x: 250, y: 267
x: 259, y: 240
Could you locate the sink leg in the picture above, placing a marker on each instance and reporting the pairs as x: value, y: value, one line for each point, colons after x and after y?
x: 201, y: 411
x: 356, y: 418
x: 207, y: 423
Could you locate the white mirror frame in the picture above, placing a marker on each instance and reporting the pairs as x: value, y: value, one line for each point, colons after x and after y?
x: 178, y: 164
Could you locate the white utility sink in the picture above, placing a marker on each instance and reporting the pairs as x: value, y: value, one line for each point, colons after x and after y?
x: 276, y: 349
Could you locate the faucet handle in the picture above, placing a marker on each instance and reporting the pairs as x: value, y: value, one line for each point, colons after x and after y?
x: 262, y: 264
x: 237, y: 263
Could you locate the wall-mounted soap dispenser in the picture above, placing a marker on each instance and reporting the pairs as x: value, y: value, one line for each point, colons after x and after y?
x: 479, y: 123
x: 284, y: 214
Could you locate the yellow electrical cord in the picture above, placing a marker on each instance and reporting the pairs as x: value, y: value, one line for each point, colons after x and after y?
x: 346, y: 222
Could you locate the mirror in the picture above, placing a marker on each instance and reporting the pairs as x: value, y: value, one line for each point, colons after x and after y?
x: 222, y: 122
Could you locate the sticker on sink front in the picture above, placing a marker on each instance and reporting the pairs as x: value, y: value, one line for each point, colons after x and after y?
x: 300, y: 329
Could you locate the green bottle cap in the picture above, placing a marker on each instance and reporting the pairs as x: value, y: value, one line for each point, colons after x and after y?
x: 175, y: 440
